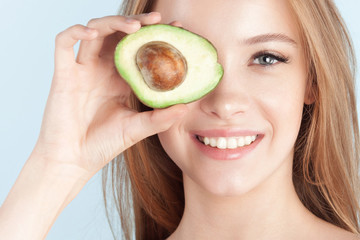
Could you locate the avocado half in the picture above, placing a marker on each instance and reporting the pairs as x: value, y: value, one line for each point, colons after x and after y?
x: 199, y: 70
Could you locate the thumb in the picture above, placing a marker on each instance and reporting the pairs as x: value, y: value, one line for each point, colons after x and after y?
x: 152, y: 122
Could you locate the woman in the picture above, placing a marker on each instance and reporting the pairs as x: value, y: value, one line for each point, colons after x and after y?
x: 286, y: 99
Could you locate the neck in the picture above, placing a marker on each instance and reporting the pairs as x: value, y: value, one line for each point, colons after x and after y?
x: 270, y: 211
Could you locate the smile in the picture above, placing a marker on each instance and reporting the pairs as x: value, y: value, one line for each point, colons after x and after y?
x: 227, y: 142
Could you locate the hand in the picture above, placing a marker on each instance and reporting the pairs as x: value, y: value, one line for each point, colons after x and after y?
x: 86, y: 121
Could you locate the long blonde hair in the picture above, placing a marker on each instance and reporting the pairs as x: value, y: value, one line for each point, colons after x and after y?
x: 146, y: 186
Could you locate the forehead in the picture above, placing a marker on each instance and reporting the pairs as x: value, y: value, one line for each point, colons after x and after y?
x: 230, y: 19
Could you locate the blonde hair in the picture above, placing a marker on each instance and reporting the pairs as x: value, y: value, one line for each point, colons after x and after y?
x: 146, y: 186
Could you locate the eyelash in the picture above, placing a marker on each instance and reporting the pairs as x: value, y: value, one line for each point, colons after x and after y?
x: 271, y: 55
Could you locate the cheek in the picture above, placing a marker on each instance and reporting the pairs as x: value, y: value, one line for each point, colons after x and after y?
x: 173, y: 145
x: 176, y: 140
x: 282, y: 107
x: 167, y: 141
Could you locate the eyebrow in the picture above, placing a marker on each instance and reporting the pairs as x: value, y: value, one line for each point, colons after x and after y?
x: 270, y: 37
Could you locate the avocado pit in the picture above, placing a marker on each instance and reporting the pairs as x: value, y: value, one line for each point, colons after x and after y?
x: 162, y: 66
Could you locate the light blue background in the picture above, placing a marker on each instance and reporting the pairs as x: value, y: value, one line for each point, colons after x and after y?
x: 28, y: 29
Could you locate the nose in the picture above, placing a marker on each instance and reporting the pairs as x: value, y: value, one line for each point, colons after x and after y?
x: 228, y: 100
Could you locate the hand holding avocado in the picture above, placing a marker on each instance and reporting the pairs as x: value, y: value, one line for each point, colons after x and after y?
x: 86, y: 121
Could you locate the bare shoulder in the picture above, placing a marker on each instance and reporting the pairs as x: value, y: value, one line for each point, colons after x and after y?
x: 345, y: 235
x: 328, y: 231
x: 341, y: 234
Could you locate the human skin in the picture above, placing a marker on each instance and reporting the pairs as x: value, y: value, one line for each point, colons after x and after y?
x: 86, y: 124
x: 251, y: 195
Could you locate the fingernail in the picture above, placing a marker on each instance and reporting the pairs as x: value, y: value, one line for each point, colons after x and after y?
x: 131, y: 20
x: 90, y: 30
x: 152, y: 13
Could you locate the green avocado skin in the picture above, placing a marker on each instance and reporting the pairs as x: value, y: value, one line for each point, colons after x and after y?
x: 204, y: 72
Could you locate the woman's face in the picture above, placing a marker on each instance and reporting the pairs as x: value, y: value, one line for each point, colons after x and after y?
x: 255, y: 112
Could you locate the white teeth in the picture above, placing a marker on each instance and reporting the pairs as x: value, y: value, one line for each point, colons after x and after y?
x: 206, y: 141
x: 241, y: 141
x: 212, y: 142
x: 248, y: 140
x: 221, y: 143
x: 230, y: 143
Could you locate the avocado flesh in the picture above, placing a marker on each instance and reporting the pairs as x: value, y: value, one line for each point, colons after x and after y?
x: 203, y: 71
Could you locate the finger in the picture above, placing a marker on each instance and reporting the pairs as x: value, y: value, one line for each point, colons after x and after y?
x: 147, y: 18
x: 90, y: 50
x: 65, y: 41
x: 176, y: 24
x: 153, y: 122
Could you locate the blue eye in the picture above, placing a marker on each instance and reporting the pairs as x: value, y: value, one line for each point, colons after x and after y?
x: 268, y: 59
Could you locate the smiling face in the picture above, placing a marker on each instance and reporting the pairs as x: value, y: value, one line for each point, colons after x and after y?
x: 243, y: 133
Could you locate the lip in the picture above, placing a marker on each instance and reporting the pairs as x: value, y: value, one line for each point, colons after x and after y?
x: 226, y: 154
x: 225, y: 133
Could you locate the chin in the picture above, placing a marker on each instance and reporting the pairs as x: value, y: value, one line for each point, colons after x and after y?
x: 221, y: 184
